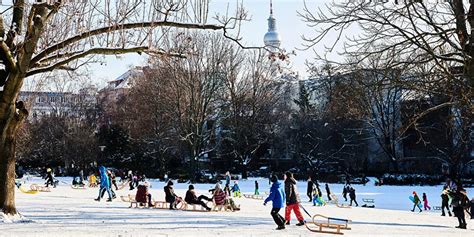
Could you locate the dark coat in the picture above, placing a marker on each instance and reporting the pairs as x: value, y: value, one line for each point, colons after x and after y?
x: 191, y: 197
x: 292, y: 196
x: 352, y: 193
x: 309, y: 188
x: 170, y: 196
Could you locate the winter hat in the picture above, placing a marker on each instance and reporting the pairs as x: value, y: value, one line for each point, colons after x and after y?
x: 170, y: 183
x: 289, y: 174
x: 218, y: 186
x: 274, y: 178
x: 191, y: 187
x: 414, y: 193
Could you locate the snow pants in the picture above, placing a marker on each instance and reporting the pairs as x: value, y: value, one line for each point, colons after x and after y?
x: 296, y: 208
x: 443, y: 206
x: 102, y: 192
x: 277, y: 217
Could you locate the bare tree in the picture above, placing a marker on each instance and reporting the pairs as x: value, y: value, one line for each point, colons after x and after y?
x: 429, y: 34
x: 55, y: 35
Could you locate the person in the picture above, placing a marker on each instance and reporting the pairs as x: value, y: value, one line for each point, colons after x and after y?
x: 344, y: 192
x: 292, y: 199
x: 104, y: 184
x: 309, y: 189
x: 170, y: 196
x: 425, y: 202
x: 352, y: 196
x: 191, y: 198
x: 143, y: 196
x: 92, y: 181
x: 130, y: 179
x: 49, y: 178
x: 277, y: 197
x: 236, y: 189
x: 317, y: 200
x: 256, y: 188
x: 109, y: 176
x: 416, y: 201
x: 227, y: 183
x: 445, y: 201
x: 459, y: 203
x: 81, y: 176
x: 328, y: 191
x: 218, y: 195
x: 113, y: 178
x: 472, y: 208
x: 135, y: 179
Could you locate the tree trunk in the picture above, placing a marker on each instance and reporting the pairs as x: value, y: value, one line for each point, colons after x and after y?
x: 7, y: 166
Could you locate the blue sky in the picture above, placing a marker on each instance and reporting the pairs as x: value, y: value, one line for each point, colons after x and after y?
x: 289, y: 24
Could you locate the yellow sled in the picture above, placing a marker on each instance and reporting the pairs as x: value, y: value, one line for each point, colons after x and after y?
x: 28, y: 191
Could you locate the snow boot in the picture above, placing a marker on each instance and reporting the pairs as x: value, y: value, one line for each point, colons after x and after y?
x: 280, y: 227
x: 97, y: 199
x: 109, y: 200
x: 301, y: 223
x: 287, y: 223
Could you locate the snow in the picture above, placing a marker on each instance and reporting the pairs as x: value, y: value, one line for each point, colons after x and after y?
x: 73, y: 212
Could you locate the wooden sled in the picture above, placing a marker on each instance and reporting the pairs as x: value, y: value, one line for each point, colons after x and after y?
x: 194, y: 207
x: 36, y: 187
x: 78, y: 186
x: 335, y: 201
x: 252, y: 196
x: 328, y: 225
x: 166, y: 205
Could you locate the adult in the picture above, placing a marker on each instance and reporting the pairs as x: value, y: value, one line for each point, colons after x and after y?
x: 460, y: 202
x: 49, y: 178
x: 328, y: 191
x: 345, y: 190
x: 277, y: 197
x: 445, y: 201
x: 256, y: 188
x: 352, y: 196
x: 292, y: 199
x: 170, y: 196
x: 309, y: 189
x: 104, y: 184
x: 227, y: 182
x: 192, y: 198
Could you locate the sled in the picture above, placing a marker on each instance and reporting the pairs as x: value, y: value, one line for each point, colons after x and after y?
x: 78, y: 186
x: 133, y: 202
x: 36, y: 187
x: 27, y: 191
x: 194, y: 207
x: 252, y: 196
x: 328, y: 225
x: 335, y: 201
x: 166, y: 205
x: 368, y: 202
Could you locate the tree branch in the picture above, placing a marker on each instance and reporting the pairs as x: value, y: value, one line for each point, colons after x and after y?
x: 103, y: 51
x: 125, y: 26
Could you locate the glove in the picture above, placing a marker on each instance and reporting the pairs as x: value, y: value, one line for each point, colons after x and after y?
x: 265, y: 203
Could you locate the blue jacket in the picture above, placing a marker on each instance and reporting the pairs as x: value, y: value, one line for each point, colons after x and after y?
x: 277, y: 195
x: 104, y: 179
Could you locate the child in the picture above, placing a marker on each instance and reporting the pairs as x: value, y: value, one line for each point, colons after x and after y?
x: 236, y: 189
x: 256, y: 188
x: 92, y: 181
x: 277, y: 197
x: 425, y: 202
x: 416, y: 200
x: 317, y: 200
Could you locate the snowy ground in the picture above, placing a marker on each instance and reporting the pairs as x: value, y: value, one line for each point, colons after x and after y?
x: 70, y: 212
